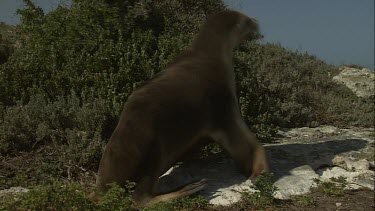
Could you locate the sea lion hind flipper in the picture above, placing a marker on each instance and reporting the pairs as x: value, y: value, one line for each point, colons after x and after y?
x: 185, y: 191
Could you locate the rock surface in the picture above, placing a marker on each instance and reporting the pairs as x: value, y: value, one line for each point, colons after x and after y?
x: 360, y: 81
x: 301, y: 179
x: 299, y: 158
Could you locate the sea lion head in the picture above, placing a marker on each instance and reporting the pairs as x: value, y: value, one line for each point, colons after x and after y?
x: 234, y: 25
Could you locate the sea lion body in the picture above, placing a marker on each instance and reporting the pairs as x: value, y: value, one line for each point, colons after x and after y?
x: 193, y: 99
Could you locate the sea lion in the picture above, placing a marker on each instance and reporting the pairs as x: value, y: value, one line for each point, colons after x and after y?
x: 193, y: 99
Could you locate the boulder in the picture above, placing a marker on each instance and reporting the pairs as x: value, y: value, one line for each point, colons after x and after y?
x: 360, y: 81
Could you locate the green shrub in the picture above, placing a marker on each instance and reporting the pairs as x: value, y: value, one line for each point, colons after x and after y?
x: 264, y: 195
x: 7, y: 41
x: 304, y: 200
x: 66, y: 136
x: 186, y: 203
x: 73, y: 196
x: 335, y: 187
x: 281, y: 88
x: 73, y: 122
x: 67, y: 196
x: 117, y: 198
x: 56, y: 196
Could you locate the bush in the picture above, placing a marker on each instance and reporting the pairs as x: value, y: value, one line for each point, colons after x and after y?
x: 280, y: 88
x: 187, y: 203
x: 71, y: 132
x: 67, y: 196
x: 73, y: 122
x: 7, y: 41
x: 57, y: 196
x: 334, y: 187
x: 117, y: 198
x: 60, y: 195
x: 264, y: 195
x: 104, y: 47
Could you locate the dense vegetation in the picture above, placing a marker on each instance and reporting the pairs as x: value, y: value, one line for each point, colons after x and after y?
x: 65, y: 75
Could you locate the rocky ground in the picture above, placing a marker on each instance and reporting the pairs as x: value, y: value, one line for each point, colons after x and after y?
x: 299, y: 160
x: 360, y: 200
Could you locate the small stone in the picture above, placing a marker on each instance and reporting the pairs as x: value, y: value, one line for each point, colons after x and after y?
x: 338, y: 204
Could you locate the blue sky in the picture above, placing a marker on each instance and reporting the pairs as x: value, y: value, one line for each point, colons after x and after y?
x: 337, y: 31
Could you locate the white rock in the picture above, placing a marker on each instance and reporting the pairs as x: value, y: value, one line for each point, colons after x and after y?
x: 292, y: 185
x: 353, y: 186
x: 304, y: 171
x: 328, y: 129
x: 229, y: 195
x: 328, y: 173
x: 299, y: 182
x: 357, y: 165
x: 364, y: 183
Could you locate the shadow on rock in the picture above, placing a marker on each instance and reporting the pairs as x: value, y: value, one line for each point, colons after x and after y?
x: 285, y: 157
x: 224, y: 179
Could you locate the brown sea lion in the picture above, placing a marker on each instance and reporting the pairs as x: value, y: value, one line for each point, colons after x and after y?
x: 192, y: 99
